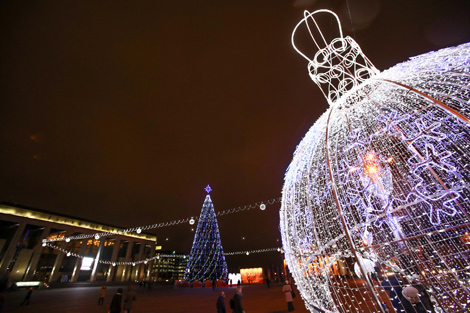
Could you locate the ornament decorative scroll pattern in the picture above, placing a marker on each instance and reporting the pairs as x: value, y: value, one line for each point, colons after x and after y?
x: 397, y: 146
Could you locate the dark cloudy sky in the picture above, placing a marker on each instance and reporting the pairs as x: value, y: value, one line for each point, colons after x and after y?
x: 123, y: 111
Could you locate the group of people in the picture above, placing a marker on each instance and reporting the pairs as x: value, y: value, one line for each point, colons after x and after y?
x: 118, y: 302
x: 236, y: 302
x: 411, y: 299
x: 146, y: 284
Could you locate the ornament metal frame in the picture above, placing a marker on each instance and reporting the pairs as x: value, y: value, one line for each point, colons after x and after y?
x: 378, y: 190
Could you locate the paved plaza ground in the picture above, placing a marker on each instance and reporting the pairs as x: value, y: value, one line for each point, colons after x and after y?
x: 256, y: 298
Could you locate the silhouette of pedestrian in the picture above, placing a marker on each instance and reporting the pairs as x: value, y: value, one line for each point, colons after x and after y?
x: 393, y: 286
x: 129, y: 299
x: 28, y: 295
x: 102, y: 294
x: 221, y: 303
x: 115, y: 306
x: 411, y: 302
x: 424, y: 295
x: 237, y: 301
x: 287, y: 289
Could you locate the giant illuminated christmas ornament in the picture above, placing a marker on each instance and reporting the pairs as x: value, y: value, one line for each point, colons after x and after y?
x: 380, y: 183
x: 206, y: 260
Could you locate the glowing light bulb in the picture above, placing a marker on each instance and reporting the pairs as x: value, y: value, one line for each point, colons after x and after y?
x: 262, y: 207
x: 191, y: 221
x: 67, y: 239
x: 139, y: 230
x: 372, y: 169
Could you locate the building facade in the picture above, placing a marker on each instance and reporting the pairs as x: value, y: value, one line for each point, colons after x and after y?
x: 24, y: 258
x: 169, y: 266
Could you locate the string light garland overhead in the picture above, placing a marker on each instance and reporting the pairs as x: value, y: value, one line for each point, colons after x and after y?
x: 381, y: 178
x: 158, y: 256
x: 190, y: 220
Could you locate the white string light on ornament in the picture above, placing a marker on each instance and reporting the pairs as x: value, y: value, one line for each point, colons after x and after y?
x: 381, y: 177
x: 139, y: 229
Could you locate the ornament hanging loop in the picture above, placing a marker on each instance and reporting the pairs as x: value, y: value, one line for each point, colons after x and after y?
x: 339, y: 65
x: 314, y: 30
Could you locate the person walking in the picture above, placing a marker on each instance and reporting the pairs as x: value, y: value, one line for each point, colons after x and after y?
x: 102, y: 294
x: 237, y: 301
x: 423, y: 293
x: 129, y: 299
x: 393, y: 286
x: 221, y: 303
x: 115, y: 306
x: 28, y: 295
x: 287, y: 289
x: 411, y: 302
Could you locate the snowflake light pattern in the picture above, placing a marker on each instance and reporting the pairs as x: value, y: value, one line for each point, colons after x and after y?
x: 382, y: 176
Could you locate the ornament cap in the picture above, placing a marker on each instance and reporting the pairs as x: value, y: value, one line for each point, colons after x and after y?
x: 339, y: 65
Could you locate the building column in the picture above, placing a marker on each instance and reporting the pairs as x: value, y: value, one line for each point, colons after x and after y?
x: 36, y: 255
x: 58, y: 262
x: 76, y: 268
x: 150, y: 264
x: 138, y: 268
x: 97, y: 258
x: 127, y: 268
x: 112, y: 269
x: 11, y: 250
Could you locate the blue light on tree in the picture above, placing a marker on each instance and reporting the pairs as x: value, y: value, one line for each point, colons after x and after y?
x: 382, y: 176
x: 206, y: 260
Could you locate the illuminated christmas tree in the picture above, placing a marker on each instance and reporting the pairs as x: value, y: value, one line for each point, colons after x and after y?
x: 382, y: 177
x: 207, y: 260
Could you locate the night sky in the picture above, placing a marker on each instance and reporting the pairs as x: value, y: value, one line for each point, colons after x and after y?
x: 123, y: 111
